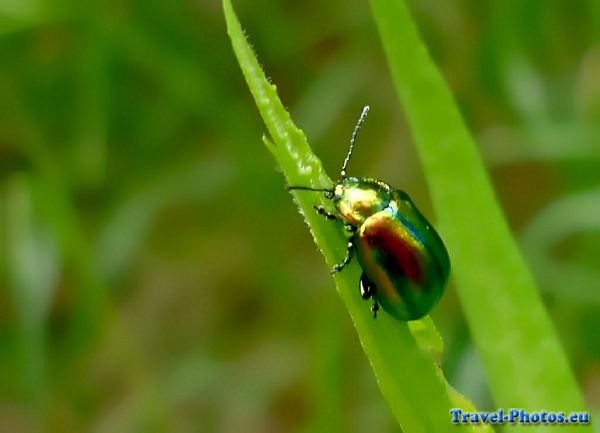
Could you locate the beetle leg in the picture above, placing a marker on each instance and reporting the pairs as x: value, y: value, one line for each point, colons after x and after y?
x: 367, y: 291
x: 375, y: 309
x: 322, y: 211
x: 347, y: 259
x: 331, y: 216
x: 367, y: 288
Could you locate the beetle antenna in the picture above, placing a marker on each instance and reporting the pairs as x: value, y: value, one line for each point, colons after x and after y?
x: 361, y: 120
x: 308, y: 188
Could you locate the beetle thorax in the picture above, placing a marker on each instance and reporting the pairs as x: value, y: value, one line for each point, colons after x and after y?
x: 358, y: 199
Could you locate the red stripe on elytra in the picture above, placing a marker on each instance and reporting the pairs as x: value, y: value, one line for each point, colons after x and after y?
x: 379, y: 235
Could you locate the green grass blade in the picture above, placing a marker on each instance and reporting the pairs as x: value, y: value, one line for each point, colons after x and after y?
x: 408, y: 376
x: 523, y: 358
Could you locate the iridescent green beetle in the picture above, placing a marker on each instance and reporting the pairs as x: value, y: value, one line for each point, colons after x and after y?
x: 405, y: 263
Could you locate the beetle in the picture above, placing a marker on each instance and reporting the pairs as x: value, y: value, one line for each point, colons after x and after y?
x: 405, y: 265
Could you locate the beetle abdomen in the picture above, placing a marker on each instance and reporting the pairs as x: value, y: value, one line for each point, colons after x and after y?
x: 408, y: 275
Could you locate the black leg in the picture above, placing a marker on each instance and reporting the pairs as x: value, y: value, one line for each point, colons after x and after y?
x: 375, y: 309
x: 367, y: 291
x: 331, y: 216
x: 322, y: 211
x: 350, y: 228
x: 347, y: 259
x: 367, y: 288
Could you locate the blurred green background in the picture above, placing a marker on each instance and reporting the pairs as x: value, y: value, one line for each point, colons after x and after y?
x: 155, y: 275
